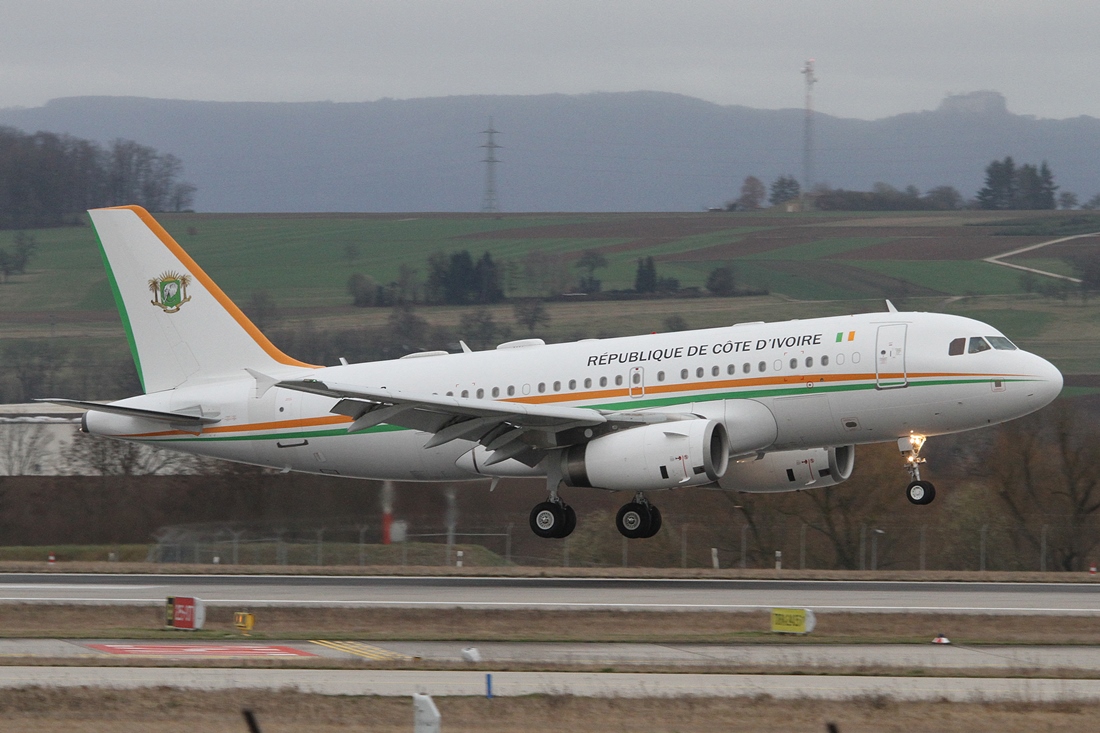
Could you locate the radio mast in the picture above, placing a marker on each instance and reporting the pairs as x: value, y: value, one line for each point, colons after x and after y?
x: 489, y: 204
x: 808, y: 133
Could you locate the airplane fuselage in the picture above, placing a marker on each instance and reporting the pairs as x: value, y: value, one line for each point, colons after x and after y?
x: 831, y: 381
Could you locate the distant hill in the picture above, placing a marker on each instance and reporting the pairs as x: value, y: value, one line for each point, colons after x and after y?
x: 637, y: 151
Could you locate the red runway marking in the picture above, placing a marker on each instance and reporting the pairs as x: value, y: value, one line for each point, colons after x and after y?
x: 201, y: 650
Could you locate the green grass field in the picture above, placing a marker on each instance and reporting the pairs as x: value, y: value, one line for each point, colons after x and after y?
x: 811, y: 263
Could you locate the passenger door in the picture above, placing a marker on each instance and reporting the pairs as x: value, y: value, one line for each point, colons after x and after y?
x: 890, y: 357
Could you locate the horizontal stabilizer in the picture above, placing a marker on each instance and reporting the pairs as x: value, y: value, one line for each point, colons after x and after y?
x: 196, y: 419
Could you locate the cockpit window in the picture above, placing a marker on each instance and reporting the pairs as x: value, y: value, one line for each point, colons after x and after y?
x: 1001, y: 343
x: 957, y: 347
x: 978, y: 345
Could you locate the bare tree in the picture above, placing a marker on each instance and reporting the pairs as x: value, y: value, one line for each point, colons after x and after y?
x: 1047, y: 477
x: 96, y: 455
x: 21, y: 447
x: 531, y: 313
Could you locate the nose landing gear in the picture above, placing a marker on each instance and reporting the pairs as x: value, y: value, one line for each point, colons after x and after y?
x: 917, y: 492
x: 638, y: 519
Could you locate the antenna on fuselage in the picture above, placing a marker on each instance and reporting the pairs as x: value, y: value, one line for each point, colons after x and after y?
x: 890, y: 306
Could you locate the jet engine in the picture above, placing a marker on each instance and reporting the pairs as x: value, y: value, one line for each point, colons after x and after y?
x: 791, y: 470
x: 662, y: 456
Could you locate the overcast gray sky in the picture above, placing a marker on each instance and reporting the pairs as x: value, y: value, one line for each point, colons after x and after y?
x: 874, y: 58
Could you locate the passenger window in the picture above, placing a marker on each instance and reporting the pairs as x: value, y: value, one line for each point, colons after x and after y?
x: 465, y: 393
x: 746, y: 367
x: 809, y: 361
x: 542, y: 387
x: 636, y: 378
x: 557, y: 386
x: 587, y: 382
x: 731, y: 369
x: 572, y: 384
x: 450, y: 394
x: 714, y: 371
x: 825, y: 360
x: 496, y: 391
x: 603, y: 381
x: 683, y: 374
x: 511, y: 390
x: 794, y: 363
x: 699, y: 372
x: 1001, y: 343
x: 480, y: 394
x: 762, y: 367
x: 660, y: 376
x: 840, y: 358
x: 778, y: 365
x: 618, y: 380
x: 957, y: 347
x: 978, y: 345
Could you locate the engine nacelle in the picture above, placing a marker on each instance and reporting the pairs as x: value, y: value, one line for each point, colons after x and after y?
x: 791, y: 470
x: 663, y: 456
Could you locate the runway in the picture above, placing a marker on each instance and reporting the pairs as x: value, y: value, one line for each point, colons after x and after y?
x: 584, y: 684
x: 556, y: 593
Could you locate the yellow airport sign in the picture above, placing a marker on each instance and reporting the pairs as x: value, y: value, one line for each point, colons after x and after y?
x: 793, y: 620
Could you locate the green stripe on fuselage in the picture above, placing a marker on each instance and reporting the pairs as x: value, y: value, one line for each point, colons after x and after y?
x: 638, y: 403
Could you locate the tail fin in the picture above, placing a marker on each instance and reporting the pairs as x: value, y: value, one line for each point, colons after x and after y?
x: 180, y: 324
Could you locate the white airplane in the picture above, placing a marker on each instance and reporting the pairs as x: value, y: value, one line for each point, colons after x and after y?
x: 756, y: 407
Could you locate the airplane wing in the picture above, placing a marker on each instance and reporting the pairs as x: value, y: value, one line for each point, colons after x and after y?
x: 509, y: 429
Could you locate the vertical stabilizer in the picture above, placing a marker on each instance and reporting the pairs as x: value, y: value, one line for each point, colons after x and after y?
x: 180, y: 324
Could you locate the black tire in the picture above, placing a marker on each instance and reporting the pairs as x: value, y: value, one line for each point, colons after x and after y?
x: 547, y: 520
x: 920, y: 492
x: 654, y: 522
x: 570, y: 522
x: 632, y: 521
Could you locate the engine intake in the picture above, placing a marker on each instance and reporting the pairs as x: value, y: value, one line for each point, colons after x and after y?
x: 652, y: 457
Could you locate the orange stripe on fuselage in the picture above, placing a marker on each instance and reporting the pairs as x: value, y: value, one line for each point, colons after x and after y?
x: 308, y: 422
x: 594, y: 395
x: 213, y: 289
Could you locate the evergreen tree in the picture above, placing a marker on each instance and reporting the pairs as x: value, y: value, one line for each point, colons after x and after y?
x: 1029, y: 188
x: 784, y: 189
x: 999, y: 192
x: 1047, y: 199
x: 645, y: 280
x: 488, y: 287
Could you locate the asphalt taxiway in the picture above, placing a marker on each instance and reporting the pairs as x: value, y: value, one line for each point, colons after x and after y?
x: 798, y: 657
x: 584, y: 684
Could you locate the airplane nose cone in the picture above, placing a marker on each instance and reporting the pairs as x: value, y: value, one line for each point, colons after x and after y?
x: 1048, y: 385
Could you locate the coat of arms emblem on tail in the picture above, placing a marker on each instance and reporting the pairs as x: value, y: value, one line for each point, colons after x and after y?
x: 170, y: 291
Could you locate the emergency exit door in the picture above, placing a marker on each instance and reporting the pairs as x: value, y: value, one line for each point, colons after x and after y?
x: 890, y: 357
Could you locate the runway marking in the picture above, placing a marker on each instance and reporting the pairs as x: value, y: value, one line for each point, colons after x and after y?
x: 198, y: 649
x: 360, y: 649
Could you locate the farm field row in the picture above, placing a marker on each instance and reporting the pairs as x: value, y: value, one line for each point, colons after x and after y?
x: 812, y: 264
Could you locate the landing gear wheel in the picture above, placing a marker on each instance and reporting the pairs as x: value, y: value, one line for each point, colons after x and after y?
x: 570, y: 522
x: 633, y: 520
x: 654, y: 522
x: 920, y: 492
x: 548, y: 519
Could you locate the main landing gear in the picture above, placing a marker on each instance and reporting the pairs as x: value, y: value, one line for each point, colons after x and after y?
x: 553, y: 519
x: 638, y: 519
x: 918, y: 492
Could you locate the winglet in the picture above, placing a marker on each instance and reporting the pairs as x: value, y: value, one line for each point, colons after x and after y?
x: 890, y: 306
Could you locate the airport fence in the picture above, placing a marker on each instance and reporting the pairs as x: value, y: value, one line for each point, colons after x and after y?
x: 1045, y: 544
